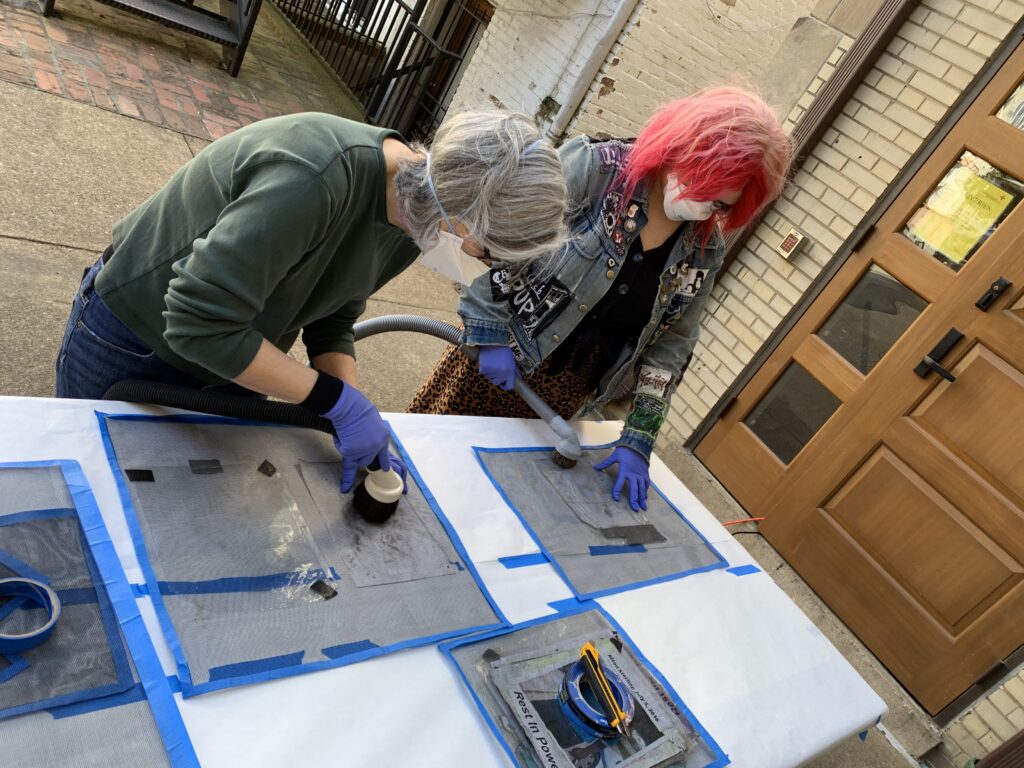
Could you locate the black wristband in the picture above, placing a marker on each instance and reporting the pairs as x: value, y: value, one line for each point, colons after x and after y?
x: 325, y: 393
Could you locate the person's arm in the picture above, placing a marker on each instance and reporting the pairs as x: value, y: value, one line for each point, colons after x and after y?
x: 280, y: 214
x: 337, y: 364
x: 484, y: 309
x: 273, y: 373
x: 330, y: 342
x: 661, y: 368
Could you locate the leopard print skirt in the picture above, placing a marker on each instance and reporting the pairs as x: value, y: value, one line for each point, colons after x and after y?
x: 456, y: 388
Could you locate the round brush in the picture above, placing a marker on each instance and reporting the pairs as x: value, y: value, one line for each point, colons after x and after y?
x: 376, y: 497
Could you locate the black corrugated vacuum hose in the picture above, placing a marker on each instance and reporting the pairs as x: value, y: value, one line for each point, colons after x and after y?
x: 567, y: 448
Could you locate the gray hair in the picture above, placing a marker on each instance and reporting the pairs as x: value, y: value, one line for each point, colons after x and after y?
x: 493, y: 172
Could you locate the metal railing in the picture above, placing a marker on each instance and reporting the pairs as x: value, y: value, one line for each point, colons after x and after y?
x: 402, y: 74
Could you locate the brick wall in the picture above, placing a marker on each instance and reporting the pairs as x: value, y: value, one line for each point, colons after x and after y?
x: 675, y: 47
x: 536, y: 49
x: 926, y: 66
x: 989, y: 723
x: 532, y: 50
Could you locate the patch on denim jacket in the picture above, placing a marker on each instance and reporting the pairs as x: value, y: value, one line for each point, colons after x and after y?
x: 692, y: 280
x: 648, y: 414
x: 611, y: 153
x: 610, y: 212
x: 536, y: 304
x: 652, y: 381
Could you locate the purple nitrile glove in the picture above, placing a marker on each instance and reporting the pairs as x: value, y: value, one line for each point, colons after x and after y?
x: 632, y: 467
x: 397, y: 465
x: 498, y: 366
x: 360, y: 434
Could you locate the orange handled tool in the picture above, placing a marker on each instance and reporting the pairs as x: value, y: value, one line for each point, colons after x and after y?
x: 595, y: 676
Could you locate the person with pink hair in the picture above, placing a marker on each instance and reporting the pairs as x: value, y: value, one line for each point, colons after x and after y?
x: 616, y: 312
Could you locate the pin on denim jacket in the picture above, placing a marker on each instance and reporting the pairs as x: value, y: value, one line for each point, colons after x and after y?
x: 533, y: 311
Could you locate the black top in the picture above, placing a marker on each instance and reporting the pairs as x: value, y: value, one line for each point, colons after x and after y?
x: 621, y: 314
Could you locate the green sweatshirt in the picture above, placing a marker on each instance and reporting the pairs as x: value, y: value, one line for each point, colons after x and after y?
x: 278, y: 227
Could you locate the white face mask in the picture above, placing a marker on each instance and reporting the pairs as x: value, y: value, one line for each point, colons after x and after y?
x: 683, y: 209
x: 447, y: 258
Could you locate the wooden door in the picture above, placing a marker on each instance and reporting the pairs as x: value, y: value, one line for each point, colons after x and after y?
x: 893, y: 485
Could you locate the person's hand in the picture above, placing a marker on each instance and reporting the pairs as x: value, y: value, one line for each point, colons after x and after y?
x: 498, y: 366
x: 397, y: 465
x: 360, y: 435
x: 632, y: 468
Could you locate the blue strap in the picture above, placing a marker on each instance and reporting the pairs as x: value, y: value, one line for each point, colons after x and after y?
x: 433, y: 191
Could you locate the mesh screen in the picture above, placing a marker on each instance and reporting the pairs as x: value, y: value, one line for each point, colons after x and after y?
x: 517, y: 678
x: 33, y: 488
x: 600, y: 545
x: 240, y: 521
x: 83, y: 659
x: 114, y: 737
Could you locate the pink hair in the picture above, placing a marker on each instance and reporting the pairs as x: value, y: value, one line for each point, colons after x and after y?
x: 716, y: 141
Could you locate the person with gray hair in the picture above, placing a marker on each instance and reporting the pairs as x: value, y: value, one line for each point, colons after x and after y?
x: 288, y: 225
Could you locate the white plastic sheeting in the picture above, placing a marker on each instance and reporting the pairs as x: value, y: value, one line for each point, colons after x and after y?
x: 760, y: 678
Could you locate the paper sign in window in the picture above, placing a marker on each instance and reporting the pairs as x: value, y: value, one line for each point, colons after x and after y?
x: 963, y: 210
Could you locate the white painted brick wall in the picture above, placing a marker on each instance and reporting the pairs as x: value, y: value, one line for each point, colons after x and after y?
x: 531, y: 49
x: 534, y: 49
x: 675, y: 47
x: 924, y: 69
x: 989, y: 723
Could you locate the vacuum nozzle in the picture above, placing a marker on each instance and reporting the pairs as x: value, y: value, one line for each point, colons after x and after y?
x: 377, y: 496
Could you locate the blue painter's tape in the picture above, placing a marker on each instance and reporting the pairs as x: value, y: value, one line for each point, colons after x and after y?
x: 242, y: 583
x: 12, y: 605
x: 147, y: 664
x: 21, y: 568
x: 140, y: 590
x: 242, y: 674
x: 722, y: 758
x: 580, y: 606
x: 71, y: 597
x: 174, y: 683
x: 569, y: 605
x: 135, y: 529
x: 341, y: 661
x: 450, y: 530
x: 522, y: 561
x: 125, y: 678
x: 863, y: 736
x: 256, y: 666
x: 616, y: 549
x: 78, y: 596
x: 347, y: 649
x: 721, y: 563
x: 743, y: 570
x: 133, y: 695
x: 16, y: 664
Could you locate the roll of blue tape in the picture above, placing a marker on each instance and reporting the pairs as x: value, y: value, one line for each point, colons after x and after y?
x: 38, y: 593
x: 583, y: 712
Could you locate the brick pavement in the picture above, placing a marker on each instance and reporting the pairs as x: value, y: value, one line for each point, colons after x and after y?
x: 121, y: 63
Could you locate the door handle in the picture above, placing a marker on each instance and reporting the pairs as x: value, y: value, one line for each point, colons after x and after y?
x: 931, y: 360
x: 988, y: 298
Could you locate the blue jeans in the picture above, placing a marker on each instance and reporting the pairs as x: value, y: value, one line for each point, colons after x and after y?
x: 98, y: 350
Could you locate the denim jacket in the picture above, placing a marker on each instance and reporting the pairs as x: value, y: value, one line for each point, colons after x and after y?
x: 535, y: 310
